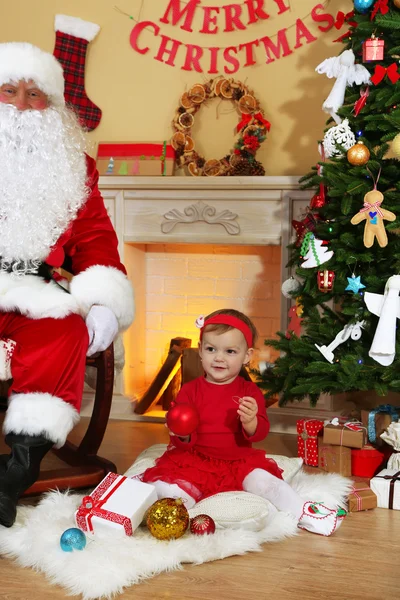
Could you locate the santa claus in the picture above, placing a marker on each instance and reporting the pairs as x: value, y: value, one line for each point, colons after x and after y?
x: 51, y: 211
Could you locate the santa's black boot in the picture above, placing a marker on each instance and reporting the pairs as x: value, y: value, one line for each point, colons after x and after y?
x: 22, y: 470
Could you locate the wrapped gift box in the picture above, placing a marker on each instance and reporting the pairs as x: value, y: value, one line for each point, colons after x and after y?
x: 387, y: 488
x: 116, y: 506
x: 307, y: 445
x: 351, y: 435
x: 378, y: 420
x: 373, y: 49
x: 334, y: 459
x: 135, y: 159
x: 362, y: 497
x: 366, y: 461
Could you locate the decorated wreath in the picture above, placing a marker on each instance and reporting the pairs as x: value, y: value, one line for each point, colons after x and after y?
x: 252, y: 130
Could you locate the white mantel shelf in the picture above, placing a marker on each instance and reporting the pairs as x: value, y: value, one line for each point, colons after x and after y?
x: 194, y: 183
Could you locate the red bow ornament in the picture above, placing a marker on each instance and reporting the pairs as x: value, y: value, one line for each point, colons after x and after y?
x: 342, y: 18
x: 380, y: 72
x: 257, y: 117
x: 381, y: 5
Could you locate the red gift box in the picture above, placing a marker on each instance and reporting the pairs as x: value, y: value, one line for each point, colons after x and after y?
x: 373, y: 49
x: 307, y: 440
x: 366, y: 461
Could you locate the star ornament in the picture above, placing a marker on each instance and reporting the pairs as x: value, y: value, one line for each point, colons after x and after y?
x: 355, y: 284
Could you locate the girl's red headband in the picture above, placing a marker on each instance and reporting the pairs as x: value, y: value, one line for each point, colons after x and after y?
x: 227, y: 320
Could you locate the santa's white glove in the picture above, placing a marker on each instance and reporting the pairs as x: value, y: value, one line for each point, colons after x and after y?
x: 102, y: 326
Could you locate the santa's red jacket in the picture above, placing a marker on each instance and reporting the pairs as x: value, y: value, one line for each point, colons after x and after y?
x: 99, y: 277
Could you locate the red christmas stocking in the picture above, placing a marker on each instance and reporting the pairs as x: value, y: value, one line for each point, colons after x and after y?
x: 72, y: 38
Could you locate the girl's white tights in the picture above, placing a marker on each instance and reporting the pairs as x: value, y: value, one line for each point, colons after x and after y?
x: 277, y: 491
x: 172, y: 490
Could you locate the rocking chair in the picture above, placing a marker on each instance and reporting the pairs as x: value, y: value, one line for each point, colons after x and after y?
x: 84, y: 468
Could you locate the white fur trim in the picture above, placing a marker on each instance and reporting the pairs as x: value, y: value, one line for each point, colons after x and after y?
x: 106, y: 286
x: 76, y: 27
x: 7, y: 348
x: 33, y: 297
x: 20, y: 60
x: 39, y: 413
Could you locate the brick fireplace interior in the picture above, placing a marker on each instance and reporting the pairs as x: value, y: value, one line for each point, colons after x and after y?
x: 183, y: 281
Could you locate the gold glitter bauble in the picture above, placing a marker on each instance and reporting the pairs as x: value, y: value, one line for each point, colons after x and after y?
x: 396, y: 3
x: 358, y: 154
x: 396, y: 140
x: 167, y: 519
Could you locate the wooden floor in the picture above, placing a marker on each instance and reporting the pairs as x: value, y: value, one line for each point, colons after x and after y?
x: 360, y: 562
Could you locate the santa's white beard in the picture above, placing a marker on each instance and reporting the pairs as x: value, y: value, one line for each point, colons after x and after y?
x: 43, y: 182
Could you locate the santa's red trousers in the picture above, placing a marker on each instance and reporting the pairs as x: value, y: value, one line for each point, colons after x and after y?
x: 49, y: 356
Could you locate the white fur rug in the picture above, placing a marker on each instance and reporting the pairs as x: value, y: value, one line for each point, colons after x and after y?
x: 106, y: 567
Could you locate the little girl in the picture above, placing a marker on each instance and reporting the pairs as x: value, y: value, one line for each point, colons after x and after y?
x: 218, y: 456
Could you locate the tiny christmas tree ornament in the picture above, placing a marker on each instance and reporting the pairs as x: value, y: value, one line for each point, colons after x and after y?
x: 373, y: 49
x: 72, y: 539
x: 290, y: 286
x: 358, y: 154
x: 202, y: 525
x: 340, y: 135
x: 325, y: 280
x: 315, y: 254
x: 167, y: 519
x: 363, y: 6
x: 374, y: 215
x: 346, y: 72
x: 182, y: 419
x: 396, y: 143
x: 354, y: 284
x: 387, y: 307
x: 352, y: 330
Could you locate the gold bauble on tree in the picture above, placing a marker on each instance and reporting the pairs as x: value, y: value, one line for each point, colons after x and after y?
x: 396, y: 3
x: 167, y: 519
x: 358, y: 154
x: 396, y: 140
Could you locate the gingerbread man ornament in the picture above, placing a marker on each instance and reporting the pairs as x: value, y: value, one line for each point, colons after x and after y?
x: 374, y: 215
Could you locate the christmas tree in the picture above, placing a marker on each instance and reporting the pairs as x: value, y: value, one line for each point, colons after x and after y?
x: 349, y: 312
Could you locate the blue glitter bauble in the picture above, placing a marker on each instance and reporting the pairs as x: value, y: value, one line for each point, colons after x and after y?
x: 72, y: 539
x: 363, y: 6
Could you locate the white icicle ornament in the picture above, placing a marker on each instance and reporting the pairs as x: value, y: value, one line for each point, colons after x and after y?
x: 340, y: 135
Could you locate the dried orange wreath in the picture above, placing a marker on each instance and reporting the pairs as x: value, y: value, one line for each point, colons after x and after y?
x: 252, y: 130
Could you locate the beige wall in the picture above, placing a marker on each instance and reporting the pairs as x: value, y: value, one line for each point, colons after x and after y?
x: 138, y: 95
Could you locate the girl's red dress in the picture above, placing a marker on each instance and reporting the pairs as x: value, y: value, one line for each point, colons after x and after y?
x: 219, y: 454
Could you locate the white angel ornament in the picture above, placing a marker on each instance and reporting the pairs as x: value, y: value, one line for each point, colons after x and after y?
x: 342, y: 68
x: 387, y: 307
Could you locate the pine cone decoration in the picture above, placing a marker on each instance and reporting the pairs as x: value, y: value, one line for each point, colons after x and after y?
x: 200, y: 162
x: 247, y: 169
x: 237, y: 94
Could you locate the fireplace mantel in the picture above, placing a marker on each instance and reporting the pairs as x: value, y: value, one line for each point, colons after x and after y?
x: 251, y: 211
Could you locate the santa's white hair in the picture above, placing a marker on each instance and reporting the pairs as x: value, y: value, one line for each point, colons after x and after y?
x: 43, y: 182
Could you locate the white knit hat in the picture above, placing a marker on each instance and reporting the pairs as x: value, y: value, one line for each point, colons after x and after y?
x: 20, y: 60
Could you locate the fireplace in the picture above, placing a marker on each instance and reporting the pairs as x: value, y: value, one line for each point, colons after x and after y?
x: 190, y: 246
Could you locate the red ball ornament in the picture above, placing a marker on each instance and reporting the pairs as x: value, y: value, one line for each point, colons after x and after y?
x: 182, y: 419
x: 202, y: 524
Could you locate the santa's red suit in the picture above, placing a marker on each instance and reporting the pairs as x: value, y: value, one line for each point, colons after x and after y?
x: 42, y: 327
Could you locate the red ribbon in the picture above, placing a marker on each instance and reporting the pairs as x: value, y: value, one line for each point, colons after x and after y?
x: 381, y: 5
x: 342, y: 18
x: 361, y: 102
x: 380, y: 72
x: 92, y: 506
x: 357, y: 495
x: 257, y: 117
x: 373, y: 207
